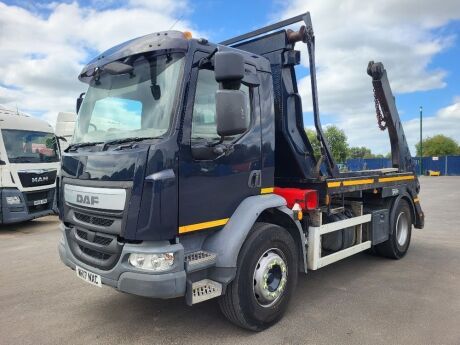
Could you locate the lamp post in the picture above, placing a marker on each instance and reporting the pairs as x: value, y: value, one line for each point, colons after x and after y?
x: 421, y: 142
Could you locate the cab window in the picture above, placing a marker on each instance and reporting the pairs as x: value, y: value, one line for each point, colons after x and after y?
x: 204, y: 109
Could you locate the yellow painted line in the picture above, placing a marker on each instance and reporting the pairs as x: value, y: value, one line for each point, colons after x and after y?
x: 201, y: 226
x: 333, y: 184
x: 358, y: 182
x: 396, y: 178
x: 267, y: 190
x: 416, y: 200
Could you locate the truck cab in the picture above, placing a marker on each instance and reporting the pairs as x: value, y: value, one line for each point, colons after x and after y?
x: 29, y: 163
x: 65, y: 126
x: 190, y: 174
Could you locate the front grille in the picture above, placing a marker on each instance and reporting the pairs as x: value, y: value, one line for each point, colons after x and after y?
x: 105, y: 241
x: 32, y: 197
x: 96, y: 249
x: 37, y: 178
x: 100, y: 221
x: 95, y: 254
x: 82, y: 234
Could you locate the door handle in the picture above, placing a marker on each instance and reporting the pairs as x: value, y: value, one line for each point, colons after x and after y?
x: 255, y: 179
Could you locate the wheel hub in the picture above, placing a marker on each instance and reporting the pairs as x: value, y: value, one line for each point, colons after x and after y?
x: 402, y: 229
x: 270, y: 277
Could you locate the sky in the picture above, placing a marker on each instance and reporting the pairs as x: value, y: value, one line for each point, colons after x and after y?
x: 44, y: 45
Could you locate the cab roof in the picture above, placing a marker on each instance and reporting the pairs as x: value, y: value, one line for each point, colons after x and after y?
x: 13, y: 119
x: 163, y: 40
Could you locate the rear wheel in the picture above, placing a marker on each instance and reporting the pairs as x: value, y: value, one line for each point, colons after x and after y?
x: 401, y: 230
x: 265, y: 280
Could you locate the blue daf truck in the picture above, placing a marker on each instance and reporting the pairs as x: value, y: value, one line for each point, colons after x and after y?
x: 190, y: 175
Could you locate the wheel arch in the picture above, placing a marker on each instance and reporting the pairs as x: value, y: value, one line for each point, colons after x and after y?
x: 406, y: 197
x: 227, y: 242
x: 283, y: 217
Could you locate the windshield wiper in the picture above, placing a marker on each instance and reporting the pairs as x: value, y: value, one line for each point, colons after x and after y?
x: 73, y: 147
x: 126, y: 140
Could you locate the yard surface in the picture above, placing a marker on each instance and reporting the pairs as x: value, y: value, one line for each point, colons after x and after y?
x: 361, y: 300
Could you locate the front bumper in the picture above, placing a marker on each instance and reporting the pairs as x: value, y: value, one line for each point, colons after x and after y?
x: 26, y: 210
x: 129, y: 279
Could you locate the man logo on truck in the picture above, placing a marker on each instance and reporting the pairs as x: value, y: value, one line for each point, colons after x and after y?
x: 39, y: 179
x: 89, y: 200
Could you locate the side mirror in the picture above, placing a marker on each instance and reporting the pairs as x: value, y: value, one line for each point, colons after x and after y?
x: 229, y: 68
x: 231, y: 112
x: 79, y: 101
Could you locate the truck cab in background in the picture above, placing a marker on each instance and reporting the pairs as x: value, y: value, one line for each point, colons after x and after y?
x: 29, y: 164
x: 65, y: 126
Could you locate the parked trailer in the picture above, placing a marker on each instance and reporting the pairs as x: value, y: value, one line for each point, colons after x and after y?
x: 190, y: 174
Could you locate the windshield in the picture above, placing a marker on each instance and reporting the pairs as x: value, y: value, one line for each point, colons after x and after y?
x: 135, y: 104
x: 30, y: 146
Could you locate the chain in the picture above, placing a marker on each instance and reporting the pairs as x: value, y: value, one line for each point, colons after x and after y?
x: 380, y: 118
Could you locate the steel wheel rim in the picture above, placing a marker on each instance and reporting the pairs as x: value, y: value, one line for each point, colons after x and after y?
x: 402, y: 229
x: 270, y: 277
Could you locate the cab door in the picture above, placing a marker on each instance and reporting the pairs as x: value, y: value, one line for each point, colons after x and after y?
x: 213, y: 183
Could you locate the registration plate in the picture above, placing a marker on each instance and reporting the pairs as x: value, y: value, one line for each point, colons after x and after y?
x: 89, y: 277
x: 40, y: 202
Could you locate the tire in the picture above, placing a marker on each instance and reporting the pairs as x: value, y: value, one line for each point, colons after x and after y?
x: 247, y: 303
x: 398, y: 243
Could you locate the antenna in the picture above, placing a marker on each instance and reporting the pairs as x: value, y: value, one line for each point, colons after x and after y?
x: 177, y: 20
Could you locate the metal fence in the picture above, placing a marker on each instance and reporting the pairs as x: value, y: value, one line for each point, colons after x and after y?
x: 447, y: 165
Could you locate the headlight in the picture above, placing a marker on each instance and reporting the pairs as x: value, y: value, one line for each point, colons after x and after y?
x: 152, y: 262
x: 13, y: 200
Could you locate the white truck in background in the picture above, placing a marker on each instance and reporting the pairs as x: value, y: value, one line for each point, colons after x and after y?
x: 65, y: 124
x: 29, y: 164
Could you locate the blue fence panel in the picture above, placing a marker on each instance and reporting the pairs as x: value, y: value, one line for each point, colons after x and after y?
x: 368, y: 163
x: 447, y: 165
x: 453, y: 165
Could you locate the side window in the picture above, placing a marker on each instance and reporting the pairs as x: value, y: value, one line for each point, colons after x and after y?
x: 204, y: 109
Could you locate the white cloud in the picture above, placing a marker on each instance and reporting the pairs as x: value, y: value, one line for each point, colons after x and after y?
x: 43, y: 55
x: 350, y: 33
x: 445, y: 121
x: 362, y: 129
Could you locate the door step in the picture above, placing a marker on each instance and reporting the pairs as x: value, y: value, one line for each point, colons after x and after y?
x: 199, y: 260
x: 205, y: 289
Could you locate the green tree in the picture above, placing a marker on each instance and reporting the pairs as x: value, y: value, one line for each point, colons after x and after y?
x: 438, y: 145
x: 311, y: 134
x: 336, y: 139
x: 359, y: 152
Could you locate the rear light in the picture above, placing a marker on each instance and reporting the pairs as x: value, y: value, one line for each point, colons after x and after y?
x: 306, y: 198
x: 311, y: 200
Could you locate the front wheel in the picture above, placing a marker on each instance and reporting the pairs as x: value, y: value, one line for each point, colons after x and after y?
x: 265, y: 279
x: 401, y: 229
